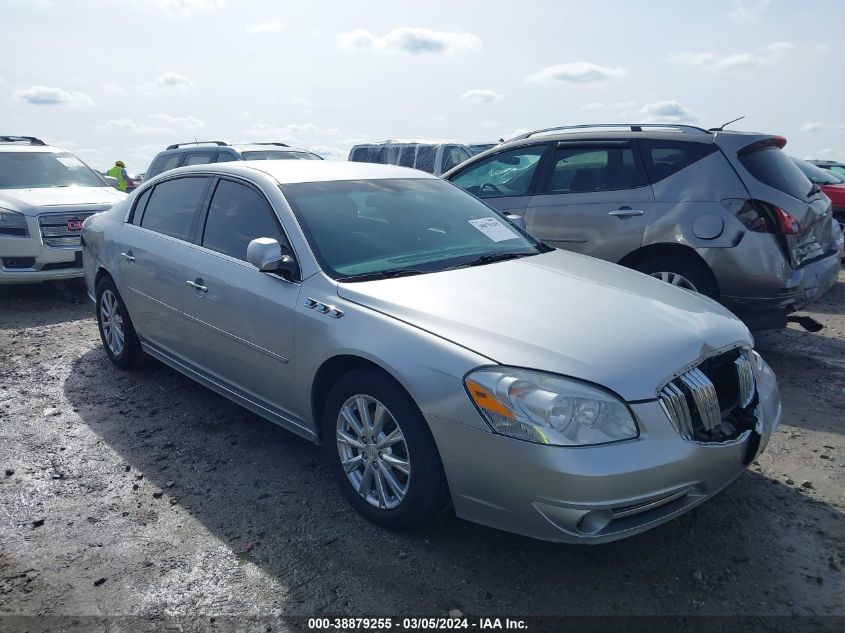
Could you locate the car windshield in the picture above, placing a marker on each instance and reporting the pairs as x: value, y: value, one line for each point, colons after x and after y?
x: 363, y: 229
x: 41, y: 170
x: 816, y: 175
x: 278, y: 155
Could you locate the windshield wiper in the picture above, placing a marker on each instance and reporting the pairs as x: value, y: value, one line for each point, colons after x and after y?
x: 490, y: 258
x: 384, y: 274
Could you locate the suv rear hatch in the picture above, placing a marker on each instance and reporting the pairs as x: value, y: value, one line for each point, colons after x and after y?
x: 785, y: 202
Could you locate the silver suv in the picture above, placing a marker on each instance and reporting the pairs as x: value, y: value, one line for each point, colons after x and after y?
x: 205, y: 152
x: 45, y: 195
x: 724, y: 213
x: 437, y: 351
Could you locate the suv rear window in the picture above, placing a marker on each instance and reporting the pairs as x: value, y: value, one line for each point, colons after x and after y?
x: 664, y: 158
x: 772, y: 167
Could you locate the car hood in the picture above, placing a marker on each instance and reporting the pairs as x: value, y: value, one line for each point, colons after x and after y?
x: 836, y: 193
x: 32, y: 201
x: 564, y: 313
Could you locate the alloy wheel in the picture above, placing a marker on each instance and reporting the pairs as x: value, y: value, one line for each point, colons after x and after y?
x: 111, y: 321
x: 675, y: 279
x: 373, y: 451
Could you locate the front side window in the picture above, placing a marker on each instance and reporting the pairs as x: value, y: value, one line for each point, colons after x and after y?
x: 237, y: 215
x: 173, y: 206
x: 506, y: 174
x: 43, y: 170
x: 589, y: 169
x: 358, y: 229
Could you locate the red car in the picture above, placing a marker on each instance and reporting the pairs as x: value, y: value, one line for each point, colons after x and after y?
x: 832, y: 185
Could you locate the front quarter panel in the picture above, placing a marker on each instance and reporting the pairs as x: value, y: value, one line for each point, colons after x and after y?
x: 98, y: 235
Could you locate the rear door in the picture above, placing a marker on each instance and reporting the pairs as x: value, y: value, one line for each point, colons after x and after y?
x: 506, y: 180
x: 593, y: 198
x: 154, y: 244
x: 240, y: 320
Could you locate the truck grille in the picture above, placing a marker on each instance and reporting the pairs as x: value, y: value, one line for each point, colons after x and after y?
x: 59, y: 229
x: 712, y: 402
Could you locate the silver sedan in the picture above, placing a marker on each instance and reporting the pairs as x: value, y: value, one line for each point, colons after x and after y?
x: 440, y: 354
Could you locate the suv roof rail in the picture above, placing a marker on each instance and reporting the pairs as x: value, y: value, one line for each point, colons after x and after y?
x: 272, y: 143
x: 633, y: 127
x: 178, y: 145
x: 31, y: 140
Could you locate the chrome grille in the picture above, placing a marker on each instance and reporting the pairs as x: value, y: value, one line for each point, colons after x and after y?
x: 55, y: 231
x: 699, y: 411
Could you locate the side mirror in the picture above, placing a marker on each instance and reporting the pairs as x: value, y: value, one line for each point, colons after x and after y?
x: 111, y: 181
x: 268, y: 256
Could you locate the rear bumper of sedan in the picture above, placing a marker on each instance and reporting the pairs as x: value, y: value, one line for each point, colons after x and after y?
x: 593, y: 494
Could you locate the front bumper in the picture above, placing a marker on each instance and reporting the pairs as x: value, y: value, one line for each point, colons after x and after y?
x: 25, y: 260
x: 594, y: 494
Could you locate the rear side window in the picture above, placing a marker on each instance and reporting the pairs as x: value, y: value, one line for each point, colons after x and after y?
x: 165, y: 163
x: 453, y: 156
x: 200, y: 158
x: 237, y: 215
x: 407, y: 155
x: 664, y: 158
x: 425, y: 158
x: 173, y: 205
x: 772, y: 167
x: 225, y: 157
x: 591, y: 168
x: 141, y: 203
x: 506, y: 174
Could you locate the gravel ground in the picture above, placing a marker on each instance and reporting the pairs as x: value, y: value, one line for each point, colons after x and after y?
x: 145, y: 494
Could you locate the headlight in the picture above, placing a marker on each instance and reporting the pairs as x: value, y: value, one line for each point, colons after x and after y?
x: 12, y: 223
x: 548, y: 409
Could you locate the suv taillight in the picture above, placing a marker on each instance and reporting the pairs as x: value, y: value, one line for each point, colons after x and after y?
x: 786, y: 223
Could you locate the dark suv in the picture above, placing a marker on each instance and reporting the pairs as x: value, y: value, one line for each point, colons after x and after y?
x: 204, y: 152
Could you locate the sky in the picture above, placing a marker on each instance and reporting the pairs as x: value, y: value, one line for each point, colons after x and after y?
x: 121, y: 79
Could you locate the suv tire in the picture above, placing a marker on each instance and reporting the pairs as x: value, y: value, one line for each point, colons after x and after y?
x: 396, y: 481
x: 682, y: 272
x: 116, y: 330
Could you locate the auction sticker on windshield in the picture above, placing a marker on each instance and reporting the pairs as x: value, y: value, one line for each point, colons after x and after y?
x: 493, y: 229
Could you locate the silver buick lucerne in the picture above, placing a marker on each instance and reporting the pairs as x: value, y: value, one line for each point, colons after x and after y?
x: 438, y: 352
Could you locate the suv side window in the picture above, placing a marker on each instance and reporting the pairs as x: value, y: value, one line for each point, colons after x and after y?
x: 173, y: 206
x: 425, y: 158
x: 664, y: 158
x: 165, y: 163
x: 237, y: 215
x: 199, y: 158
x: 590, y: 168
x: 504, y: 174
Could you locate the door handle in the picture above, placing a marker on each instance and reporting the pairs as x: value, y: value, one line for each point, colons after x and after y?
x: 626, y: 212
x: 196, y: 286
x: 128, y: 256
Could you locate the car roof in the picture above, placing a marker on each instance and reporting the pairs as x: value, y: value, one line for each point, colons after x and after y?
x: 296, y: 171
x: 21, y: 147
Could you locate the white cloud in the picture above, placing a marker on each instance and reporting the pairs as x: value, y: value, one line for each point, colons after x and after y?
x: 748, y: 10
x: 666, y: 112
x: 412, y: 40
x: 599, y: 106
x: 173, y: 80
x: 46, y: 95
x: 576, y: 72
x: 265, y: 27
x: 163, y: 124
x: 184, y: 8
x: 481, y: 95
x: 716, y: 62
x: 187, y: 122
x: 823, y: 127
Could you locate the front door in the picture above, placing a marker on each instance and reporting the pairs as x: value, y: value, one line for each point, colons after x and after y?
x: 240, y: 320
x: 594, y: 198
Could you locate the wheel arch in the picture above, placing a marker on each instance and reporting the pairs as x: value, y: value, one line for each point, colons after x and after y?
x: 663, y: 249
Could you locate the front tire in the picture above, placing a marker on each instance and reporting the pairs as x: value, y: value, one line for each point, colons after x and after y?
x: 116, y: 330
x: 381, y: 451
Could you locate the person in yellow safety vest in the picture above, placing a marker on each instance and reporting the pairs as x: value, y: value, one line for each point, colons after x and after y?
x: 119, y: 172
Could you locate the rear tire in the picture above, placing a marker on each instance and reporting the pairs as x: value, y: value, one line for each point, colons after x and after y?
x: 116, y: 330
x: 681, y: 272
x: 389, y: 468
